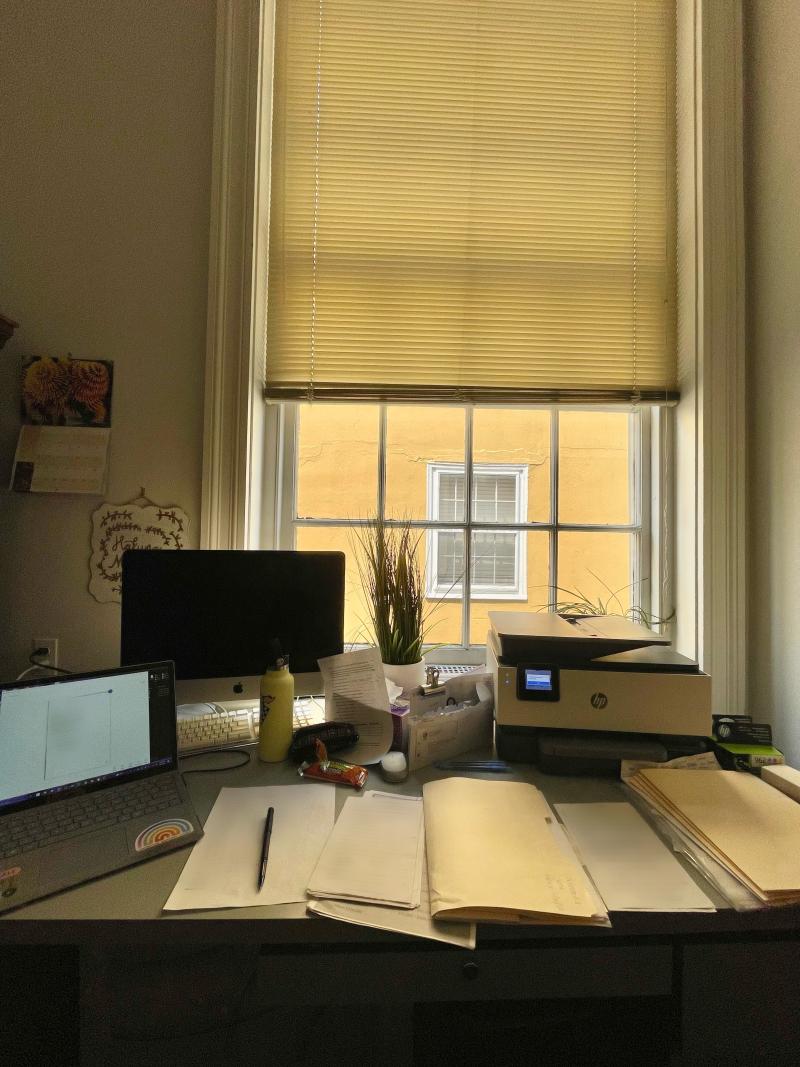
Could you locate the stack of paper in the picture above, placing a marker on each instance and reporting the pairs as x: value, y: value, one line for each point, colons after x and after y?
x: 372, y: 871
x: 496, y: 854
x: 224, y: 866
x: 631, y: 867
x: 374, y: 853
x: 751, y: 829
x: 413, y: 922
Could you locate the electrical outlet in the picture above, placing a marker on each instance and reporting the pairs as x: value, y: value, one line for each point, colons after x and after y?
x: 49, y: 658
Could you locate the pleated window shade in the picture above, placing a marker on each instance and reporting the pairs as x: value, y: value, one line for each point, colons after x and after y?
x: 472, y: 200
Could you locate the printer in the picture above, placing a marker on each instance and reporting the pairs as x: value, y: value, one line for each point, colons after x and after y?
x: 576, y: 694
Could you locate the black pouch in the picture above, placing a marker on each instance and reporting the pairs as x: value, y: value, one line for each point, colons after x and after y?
x: 334, y: 735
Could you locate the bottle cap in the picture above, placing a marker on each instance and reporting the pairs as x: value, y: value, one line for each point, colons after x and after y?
x: 275, y: 655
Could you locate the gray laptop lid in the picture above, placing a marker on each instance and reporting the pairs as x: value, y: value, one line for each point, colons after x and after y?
x: 85, y: 731
x: 89, y: 735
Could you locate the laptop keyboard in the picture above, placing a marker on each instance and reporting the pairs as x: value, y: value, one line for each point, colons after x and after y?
x: 23, y: 831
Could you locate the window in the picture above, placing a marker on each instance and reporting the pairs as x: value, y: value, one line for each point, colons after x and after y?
x: 558, y: 509
x: 499, y: 496
x: 248, y: 447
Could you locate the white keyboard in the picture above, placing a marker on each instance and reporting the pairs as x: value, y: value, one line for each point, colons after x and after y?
x: 230, y: 727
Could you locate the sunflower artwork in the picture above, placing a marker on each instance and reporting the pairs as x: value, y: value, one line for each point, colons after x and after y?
x: 62, y: 391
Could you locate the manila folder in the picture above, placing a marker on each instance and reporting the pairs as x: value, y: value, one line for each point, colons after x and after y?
x: 494, y: 856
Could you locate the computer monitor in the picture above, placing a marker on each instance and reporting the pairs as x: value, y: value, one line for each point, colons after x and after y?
x: 214, y: 612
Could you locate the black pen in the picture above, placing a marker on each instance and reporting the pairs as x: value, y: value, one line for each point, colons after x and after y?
x: 262, y: 870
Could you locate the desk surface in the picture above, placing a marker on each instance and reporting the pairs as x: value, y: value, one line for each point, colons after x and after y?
x: 128, y: 904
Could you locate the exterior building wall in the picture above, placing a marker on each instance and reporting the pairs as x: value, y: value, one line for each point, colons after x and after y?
x: 337, y: 478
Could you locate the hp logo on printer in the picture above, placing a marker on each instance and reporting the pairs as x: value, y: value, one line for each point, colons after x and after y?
x: 599, y: 700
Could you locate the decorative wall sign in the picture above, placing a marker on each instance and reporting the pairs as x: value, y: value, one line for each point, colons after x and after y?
x: 118, y: 527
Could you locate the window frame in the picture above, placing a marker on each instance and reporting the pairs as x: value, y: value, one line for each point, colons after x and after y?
x: 241, y: 492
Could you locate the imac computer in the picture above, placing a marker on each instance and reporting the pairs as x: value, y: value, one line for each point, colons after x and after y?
x: 214, y: 613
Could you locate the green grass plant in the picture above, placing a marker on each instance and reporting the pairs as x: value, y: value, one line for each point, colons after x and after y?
x: 393, y: 580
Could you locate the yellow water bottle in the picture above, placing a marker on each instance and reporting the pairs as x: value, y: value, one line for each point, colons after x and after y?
x: 276, y: 706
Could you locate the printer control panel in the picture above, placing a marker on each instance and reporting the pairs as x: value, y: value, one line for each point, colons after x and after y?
x: 537, y: 682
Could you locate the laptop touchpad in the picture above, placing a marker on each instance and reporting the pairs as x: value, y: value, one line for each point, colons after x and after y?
x: 84, y: 857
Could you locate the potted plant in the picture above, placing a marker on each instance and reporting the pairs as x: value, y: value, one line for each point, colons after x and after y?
x: 577, y: 603
x: 392, y: 577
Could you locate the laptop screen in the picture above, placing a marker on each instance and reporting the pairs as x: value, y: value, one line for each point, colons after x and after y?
x: 81, y: 732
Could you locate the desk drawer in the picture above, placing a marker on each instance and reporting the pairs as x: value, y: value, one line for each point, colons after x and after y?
x: 381, y: 975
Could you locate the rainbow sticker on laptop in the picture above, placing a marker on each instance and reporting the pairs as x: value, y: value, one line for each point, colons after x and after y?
x: 162, y: 831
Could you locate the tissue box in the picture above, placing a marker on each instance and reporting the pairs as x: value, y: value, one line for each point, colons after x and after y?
x: 437, y: 730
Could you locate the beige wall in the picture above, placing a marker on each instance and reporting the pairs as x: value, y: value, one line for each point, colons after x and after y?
x: 772, y: 188
x: 106, y: 122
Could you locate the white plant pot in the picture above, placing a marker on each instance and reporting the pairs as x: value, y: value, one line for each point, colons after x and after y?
x: 407, y: 675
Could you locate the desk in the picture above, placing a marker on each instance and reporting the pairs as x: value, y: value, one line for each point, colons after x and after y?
x: 731, y: 978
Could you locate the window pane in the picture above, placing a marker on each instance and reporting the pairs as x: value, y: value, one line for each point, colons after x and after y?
x: 449, y: 560
x: 518, y: 436
x: 494, y: 559
x: 450, y: 499
x: 596, y: 567
x: 532, y: 594
x: 341, y: 539
x: 594, y: 463
x: 415, y: 437
x: 443, y: 619
x: 337, y: 461
x: 494, y: 497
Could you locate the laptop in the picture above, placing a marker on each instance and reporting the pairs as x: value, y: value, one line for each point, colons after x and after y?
x: 88, y: 778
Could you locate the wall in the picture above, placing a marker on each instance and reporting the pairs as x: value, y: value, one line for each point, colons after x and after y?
x: 106, y: 122
x: 772, y: 187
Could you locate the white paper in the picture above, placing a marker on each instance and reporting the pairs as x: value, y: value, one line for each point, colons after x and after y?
x: 414, y: 922
x: 222, y: 870
x: 355, y: 691
x: 375, y: 852
x: 631, y: 867
x: 702, y: 761
x: 60, y: 459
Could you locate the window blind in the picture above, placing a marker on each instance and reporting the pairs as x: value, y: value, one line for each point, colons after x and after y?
x: 472, y: 200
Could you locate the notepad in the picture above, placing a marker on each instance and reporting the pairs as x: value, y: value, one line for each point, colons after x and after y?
x: 374, y: 853
x: 496, y: 854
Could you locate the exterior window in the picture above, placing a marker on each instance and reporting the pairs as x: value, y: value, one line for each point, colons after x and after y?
x: 540, y: 508
x: 498, y: 564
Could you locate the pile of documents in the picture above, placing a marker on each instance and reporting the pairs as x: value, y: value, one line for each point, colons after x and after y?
x: 468, y: 851
x: 496, y: 853
x: 751, y: 829
x: 372, y: 870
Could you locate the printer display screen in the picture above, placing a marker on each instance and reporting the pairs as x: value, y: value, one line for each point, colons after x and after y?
x: 537, y: 682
